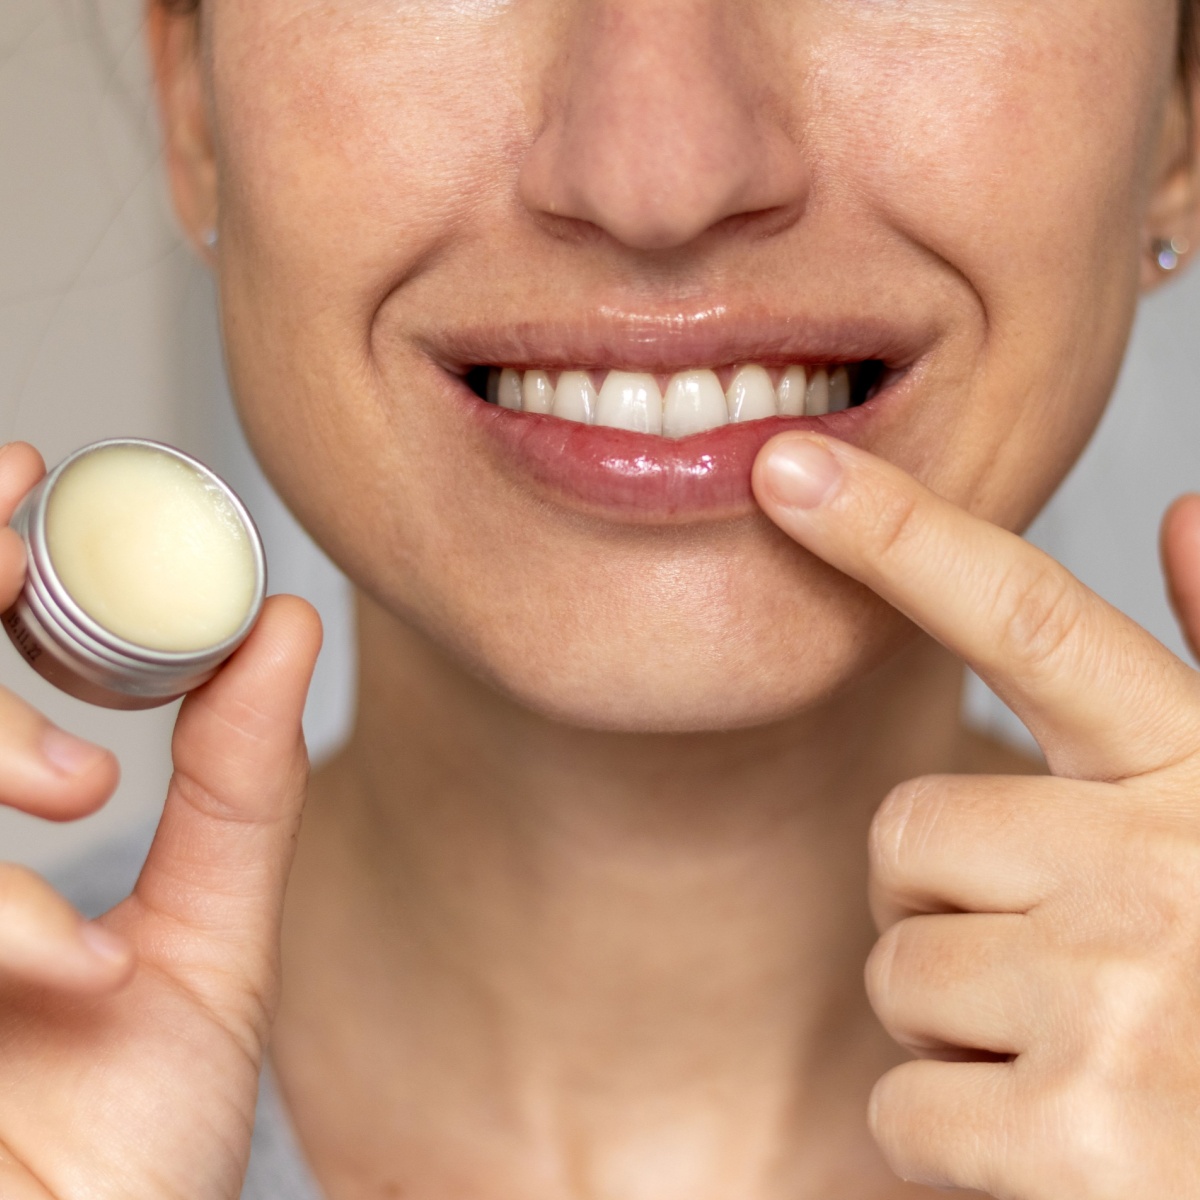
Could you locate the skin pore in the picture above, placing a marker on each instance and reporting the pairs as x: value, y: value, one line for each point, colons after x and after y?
x: 581, y: 911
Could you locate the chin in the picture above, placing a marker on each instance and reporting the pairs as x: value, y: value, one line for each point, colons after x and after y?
x: 682, y: 651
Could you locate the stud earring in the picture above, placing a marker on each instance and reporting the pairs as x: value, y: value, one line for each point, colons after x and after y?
x: 211, y: 238
x: 1168, y: 252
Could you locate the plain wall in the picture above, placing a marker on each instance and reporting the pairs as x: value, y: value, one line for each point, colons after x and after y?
x: 108, y: 327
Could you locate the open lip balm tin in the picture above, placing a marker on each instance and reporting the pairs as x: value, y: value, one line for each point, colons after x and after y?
x: 72, y: 649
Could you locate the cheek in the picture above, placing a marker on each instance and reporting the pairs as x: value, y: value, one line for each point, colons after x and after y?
x: 1012, y: 145
x: 996, y: 133
x: 353, y: 140
x: 377, y: 93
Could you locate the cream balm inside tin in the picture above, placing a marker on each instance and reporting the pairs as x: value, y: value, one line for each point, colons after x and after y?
x: 145, y: 572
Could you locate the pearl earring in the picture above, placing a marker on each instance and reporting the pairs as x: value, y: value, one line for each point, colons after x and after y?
x: 1168, y: 252
x: 211, y: 238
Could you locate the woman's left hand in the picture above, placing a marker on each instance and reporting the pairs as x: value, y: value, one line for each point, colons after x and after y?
x: 1040, y: 940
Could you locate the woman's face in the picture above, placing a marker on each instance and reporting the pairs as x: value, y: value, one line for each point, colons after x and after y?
x: 411, y: 188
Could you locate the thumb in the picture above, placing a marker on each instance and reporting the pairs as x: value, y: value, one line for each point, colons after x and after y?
x: 1180, y: 548
x: 220, y: 859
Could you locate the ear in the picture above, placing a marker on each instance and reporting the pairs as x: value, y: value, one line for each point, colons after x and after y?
x: 1174, y: 210
x: 175, y: 54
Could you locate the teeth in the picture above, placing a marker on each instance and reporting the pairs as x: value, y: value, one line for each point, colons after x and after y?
x: 751, y: 396
x: 508, y: 389
x: 537, y: 392
x: 793, y: 387
x: 629, y: 401
x: 575, y: 398
x: 839, y: 390
x: 695, y: 402
x: 817, y: 402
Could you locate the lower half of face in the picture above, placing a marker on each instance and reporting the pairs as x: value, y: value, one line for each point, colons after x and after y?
x: 513, y: 294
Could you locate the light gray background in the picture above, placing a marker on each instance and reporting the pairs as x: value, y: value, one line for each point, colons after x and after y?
x: 107, y: 328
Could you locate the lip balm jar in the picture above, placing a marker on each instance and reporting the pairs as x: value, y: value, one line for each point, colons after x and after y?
x: 144, y: 573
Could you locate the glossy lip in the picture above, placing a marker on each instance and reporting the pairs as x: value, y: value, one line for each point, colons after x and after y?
x: 642, y: 478
x: 645, y: 479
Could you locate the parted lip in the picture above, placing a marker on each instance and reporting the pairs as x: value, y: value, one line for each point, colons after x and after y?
x: 640, y: 478
x: 676, y: 341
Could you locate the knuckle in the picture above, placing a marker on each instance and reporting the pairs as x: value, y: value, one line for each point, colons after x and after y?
x: 211, y: 802
x: 902, y: 827
x: 1038, y: 609
x: 1082, y: 1130
x: 879, y: 969
x: 230, y: 795
x: 891, y: 522
x: 899, y: 1121
x: 1135, y: 990
x: 1128, y: 1012
x: 1160, y: 876
x: 1078, y: 1140
x: 881, y: 963
x: 886, y: 1105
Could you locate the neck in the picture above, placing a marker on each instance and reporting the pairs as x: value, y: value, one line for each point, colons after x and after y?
x: 592, y: 963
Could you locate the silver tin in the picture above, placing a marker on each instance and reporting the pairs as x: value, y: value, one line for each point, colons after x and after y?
x: 64, y: 645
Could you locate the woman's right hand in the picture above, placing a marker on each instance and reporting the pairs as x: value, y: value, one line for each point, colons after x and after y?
x: 130, y: 1048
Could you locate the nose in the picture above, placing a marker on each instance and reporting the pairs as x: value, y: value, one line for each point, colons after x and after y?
x: 661, y: 122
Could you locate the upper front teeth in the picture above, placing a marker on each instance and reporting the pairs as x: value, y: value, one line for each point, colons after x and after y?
x: 752, y: 395
x: 693, y: 402
x: 537, y: 392
x: 575, y: 398
x: 629, y: 401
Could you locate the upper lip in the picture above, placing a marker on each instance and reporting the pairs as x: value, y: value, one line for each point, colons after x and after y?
x: 665, y: 342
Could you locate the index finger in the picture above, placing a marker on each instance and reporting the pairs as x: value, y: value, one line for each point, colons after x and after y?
x: 1104, y: 699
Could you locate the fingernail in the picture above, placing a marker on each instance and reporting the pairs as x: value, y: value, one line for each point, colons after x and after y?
x: 68, y: 754
x: 801, y: 473
x: 103, y: 944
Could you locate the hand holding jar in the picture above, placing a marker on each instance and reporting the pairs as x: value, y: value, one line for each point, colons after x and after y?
x: 130, y: 1047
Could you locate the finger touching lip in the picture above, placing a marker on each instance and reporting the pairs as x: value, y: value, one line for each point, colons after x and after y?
x: 1096, y: 690
x: 643, y: 478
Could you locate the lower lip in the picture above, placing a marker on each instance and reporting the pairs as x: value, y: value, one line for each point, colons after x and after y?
x: 640, y: 477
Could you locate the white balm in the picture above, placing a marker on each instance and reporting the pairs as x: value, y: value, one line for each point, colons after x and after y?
x: 145, y: 572
x: 151, y: 549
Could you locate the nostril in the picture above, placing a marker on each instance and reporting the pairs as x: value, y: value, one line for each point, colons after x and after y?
x: 659, y: 130
x: 653, y: 197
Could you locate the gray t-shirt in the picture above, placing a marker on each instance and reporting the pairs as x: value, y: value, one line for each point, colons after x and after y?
x: 277, y: 1168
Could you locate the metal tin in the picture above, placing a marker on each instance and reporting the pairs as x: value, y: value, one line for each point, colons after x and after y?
x: 71, y: 650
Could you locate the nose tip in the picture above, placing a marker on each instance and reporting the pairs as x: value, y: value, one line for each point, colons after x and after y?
x: 655, y: 134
